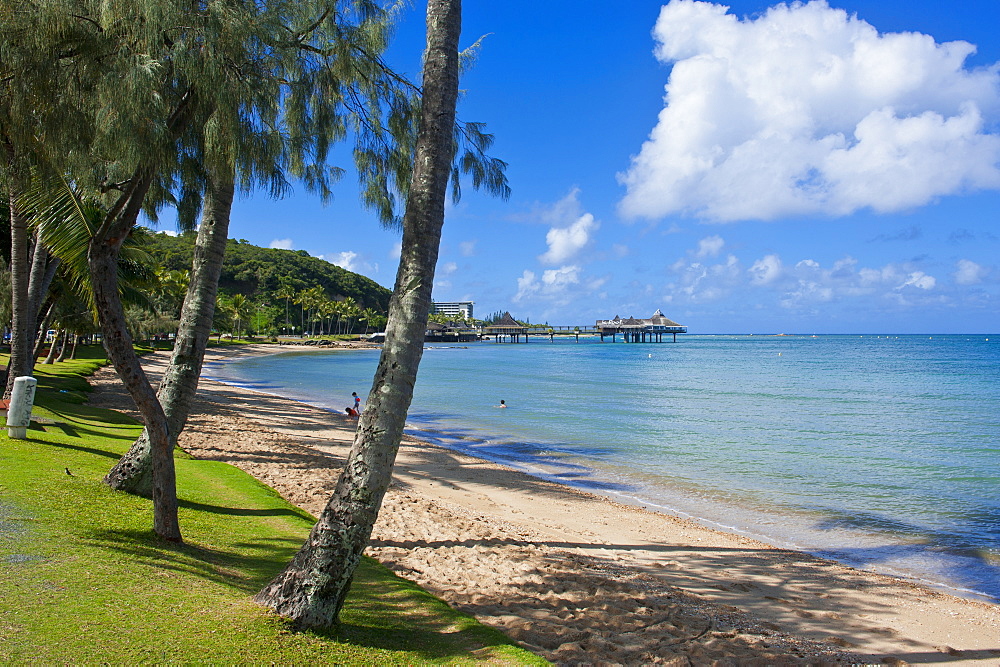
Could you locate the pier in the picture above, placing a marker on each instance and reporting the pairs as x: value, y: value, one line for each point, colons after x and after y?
x: 656, y: 329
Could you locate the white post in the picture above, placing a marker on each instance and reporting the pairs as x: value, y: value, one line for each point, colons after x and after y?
x: 22, y: 398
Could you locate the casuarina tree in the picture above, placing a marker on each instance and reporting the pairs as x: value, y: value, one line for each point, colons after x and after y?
x: 312, y: 588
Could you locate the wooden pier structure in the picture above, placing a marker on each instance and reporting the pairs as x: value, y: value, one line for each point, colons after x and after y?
x: 656, y: 329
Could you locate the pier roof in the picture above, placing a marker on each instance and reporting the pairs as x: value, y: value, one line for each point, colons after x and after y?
x: 658, y: 322
x: 506, y: 325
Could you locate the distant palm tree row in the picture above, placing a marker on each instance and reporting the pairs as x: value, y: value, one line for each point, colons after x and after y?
x: 317, y: 314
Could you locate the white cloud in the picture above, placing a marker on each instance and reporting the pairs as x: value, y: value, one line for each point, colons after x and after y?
x: 710, y: 246
x: 561, y: 278
x: 448, y: 268
x: 806, y: 109
x: 571, y: 229
x: 920, y: 280
x: 346, y: 260
x: 467, y: 248
x: 699, y: 282
x: 283, y: 244
x: 396, y: 251
x: 969, y: 273
x: 766, y: 270
x: 565, y: 242
x: 526, y: 285
x: 554, y: 283
x: 168, y: 232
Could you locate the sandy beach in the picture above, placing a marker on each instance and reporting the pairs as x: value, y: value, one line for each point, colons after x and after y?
x: 576, y: 577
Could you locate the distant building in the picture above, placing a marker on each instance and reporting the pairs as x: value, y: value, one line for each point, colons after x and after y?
x: 507, y: 328
x: 449, y: 333
x: 461, y: 309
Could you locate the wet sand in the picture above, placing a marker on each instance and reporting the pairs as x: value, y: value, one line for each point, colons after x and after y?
x: 576, y: 577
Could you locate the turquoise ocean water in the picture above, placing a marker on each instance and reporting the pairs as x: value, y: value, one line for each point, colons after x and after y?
x: 879, y: 451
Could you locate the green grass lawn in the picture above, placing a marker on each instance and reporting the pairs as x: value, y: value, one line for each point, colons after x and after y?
x: 84, y: 580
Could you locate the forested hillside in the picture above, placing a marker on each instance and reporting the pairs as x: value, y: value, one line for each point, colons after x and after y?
x: 260, y: 273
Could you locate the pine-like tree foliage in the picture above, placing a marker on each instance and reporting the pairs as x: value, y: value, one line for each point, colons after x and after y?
x: 139, y: 104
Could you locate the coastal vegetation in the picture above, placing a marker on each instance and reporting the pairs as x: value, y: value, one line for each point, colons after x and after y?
x: 108, y: 116
x: 284, y: 291
x: 85, y: 581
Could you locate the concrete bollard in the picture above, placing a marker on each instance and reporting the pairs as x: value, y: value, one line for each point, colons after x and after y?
x: 22, y: 398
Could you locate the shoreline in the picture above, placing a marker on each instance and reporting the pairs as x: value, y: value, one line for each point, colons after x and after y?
x: 579, y: 577
x: 946, y: 567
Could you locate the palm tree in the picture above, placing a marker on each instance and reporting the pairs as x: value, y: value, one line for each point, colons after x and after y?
x: 350, y: 309
x: 286, y: 292
x: 369, y: 316
x: 239, y: 307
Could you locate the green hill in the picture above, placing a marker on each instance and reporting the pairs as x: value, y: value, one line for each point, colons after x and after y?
x: 259, y: 273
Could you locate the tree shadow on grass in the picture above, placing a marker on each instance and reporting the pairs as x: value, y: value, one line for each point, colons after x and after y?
x: 382, y: 610
x: 241, y: 511
x: 246, y: 566
x: 87, y: 450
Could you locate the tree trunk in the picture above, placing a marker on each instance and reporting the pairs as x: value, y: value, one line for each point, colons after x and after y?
x: 102, y: 257
x: 20, y: 338
x: 312, y: 588
x: 51, y: 357
x: 40, y: 335
x: 64, y: 347
x: 43, y: 270
x: 133, y: 473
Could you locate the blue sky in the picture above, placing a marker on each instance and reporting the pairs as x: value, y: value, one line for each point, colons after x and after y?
x: 806, y: 168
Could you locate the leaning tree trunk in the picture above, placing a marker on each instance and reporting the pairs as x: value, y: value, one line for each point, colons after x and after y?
x: 51, y: 356
x: 40, y: 335
x: 312, y: 588
x: 134, y: 472
x: 102, y: 258
x: 43, y: 270
x: 64, y: 347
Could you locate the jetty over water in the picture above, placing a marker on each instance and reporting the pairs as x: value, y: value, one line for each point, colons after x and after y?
x: 641, y: 331
x: 655, y: 329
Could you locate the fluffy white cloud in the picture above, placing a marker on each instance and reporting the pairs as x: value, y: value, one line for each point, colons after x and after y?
x: 766, y: 270
x: 804, y: 284
x: 348, y: 259
x: 571, y: 229
x: 806, y: 109
x: 283, y: 244
x: 969, y: 273
x: 553, y: 284
x: 565, y: 242
x: 447, y: 268
x: 920, y: 280
x: 710, y: 246
x: 526, y: 285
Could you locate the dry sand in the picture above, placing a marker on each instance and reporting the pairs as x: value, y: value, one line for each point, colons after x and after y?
x: 578, y: 578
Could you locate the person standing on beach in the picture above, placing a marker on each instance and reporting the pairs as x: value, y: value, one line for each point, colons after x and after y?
x: 357, y: 402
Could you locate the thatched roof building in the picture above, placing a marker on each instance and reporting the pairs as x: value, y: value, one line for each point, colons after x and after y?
x: 506, y: 326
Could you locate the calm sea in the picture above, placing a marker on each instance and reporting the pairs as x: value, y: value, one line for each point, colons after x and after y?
x: 879, y: 451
